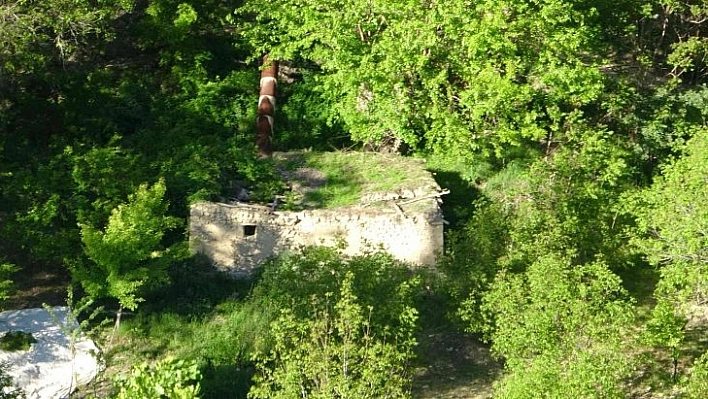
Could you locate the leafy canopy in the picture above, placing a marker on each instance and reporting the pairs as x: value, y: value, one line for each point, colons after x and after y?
x: 128, y: 254
x: 561, y: 330
x: 445, y: 76
x: 673, y: 216
x: 339, y: 352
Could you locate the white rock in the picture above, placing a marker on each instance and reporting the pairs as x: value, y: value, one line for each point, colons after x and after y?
x: 53, y: 367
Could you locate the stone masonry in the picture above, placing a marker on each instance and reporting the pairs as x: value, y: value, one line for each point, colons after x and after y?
x: 236, y: 237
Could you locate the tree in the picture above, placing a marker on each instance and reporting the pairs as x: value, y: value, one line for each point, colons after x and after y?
x: 546, y: 239
x: 42, y: 46
x: 6, y: 271
x: 128, y: 254
x: 672, y: 218
x: 36, y: 34
x: 672, y: 221
x: 336, y: 353
x: 561, y: 329
x: 451, y: 76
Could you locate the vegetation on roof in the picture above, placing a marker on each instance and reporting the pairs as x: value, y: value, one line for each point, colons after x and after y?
x: 341, y: 178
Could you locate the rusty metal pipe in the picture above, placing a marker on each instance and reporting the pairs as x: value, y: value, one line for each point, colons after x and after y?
x: 266, y: 107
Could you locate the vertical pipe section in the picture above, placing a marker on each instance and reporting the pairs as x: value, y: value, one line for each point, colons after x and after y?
x: 266, y: 107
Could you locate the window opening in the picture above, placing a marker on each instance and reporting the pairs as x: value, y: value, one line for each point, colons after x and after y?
x: 249, y: 230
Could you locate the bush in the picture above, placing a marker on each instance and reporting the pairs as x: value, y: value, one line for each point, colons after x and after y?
x: 16, y: 341
x: 562, y: 329
x: 338, y: 352
x: 168, y: 378
x: 696, y: 385
x: 344, y: 326
x: 292, y: 280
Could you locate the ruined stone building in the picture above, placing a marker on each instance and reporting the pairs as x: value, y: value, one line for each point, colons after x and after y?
x: 405, y: 221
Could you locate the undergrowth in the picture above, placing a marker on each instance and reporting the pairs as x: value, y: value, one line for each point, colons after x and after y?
x: 13, y: 341
x: 230, y: 321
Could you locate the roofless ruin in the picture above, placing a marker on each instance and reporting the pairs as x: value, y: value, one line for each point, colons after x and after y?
x: 359, y: 202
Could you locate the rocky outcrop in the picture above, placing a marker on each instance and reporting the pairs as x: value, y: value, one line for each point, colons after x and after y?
x: 60, y: 360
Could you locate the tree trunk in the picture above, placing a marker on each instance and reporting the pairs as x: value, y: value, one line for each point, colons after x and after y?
x: 118, y: 315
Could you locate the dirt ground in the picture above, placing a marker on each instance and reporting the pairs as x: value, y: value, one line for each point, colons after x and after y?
x: 454, y: 365
x: 35, y: 286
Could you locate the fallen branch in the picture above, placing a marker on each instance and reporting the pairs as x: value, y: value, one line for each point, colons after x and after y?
x: 436, y: 195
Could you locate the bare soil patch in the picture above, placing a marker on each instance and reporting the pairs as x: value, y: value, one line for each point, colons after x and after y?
x: 454, y: 365
x: 35, y: 286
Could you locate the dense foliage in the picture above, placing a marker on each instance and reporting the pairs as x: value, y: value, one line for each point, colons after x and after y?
x: 126, y: 255
x: 573, y: 133
x: 344, y: 327
x: 6, y: 271
x: 673, y: 226
x: 168, y: 378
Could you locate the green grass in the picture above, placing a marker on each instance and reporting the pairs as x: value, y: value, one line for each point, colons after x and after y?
x: 337, y: 192
x: 221, y: 342
x: 349, y: 175
x: 14, y: 341
x: 203, y: 315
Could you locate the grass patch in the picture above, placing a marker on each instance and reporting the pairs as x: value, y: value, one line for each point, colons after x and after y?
x: 221, y: 342
x: 340, y: 178
x: 203, y: 316
x: 14, y: 341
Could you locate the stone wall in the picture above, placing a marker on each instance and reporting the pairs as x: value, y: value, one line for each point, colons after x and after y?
x: 236, y: 237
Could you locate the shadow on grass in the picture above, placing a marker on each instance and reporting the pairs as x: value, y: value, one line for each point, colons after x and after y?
x: 453, y: 364
x: 36, y: 284
x: 640, y: 282
x: 450, y: 363
x: 195, y: 288
x: 226, y: 381
x: 457, y: 206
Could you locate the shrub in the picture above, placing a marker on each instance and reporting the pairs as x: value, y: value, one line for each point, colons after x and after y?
x: 378, y: 279
x: 696, y: 385
x: 562, y: 330
x: 337, y: 353
x: 16, y: 341
x: 168, y: 378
